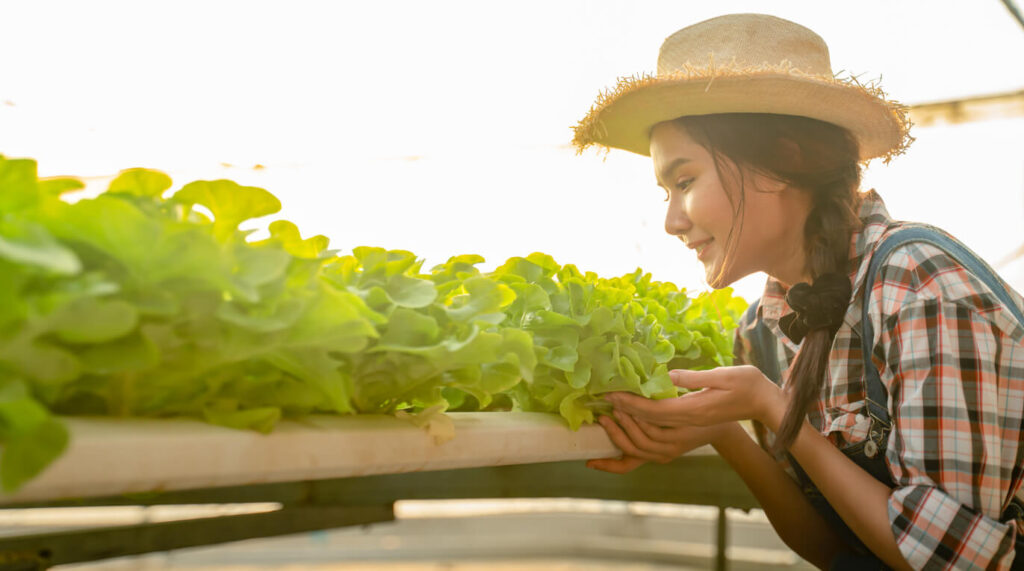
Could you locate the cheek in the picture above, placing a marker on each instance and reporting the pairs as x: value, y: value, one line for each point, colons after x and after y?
x: 768, y: 221
x: 722, y: 215
x: 747, y: 238
x: 750, y: 235
x: 764, y: 228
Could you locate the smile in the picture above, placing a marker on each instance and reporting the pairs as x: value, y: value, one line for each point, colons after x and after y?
x: 701, y: 247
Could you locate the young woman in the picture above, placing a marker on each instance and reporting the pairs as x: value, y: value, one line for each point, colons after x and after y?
x: 906, y: 456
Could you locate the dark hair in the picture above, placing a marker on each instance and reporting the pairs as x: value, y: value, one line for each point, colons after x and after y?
x: 819, y: 158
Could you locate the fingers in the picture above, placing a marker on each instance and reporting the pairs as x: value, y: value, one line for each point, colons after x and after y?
x: 616, y: 465
x: 722, y: 387
x: 717, y: 378
x: 642, y: 439
x: 620, y: 439
x: 654, y: 432
x: 629, y: 438
x: 693, y: 409
x: 665, y: 412
x: 635, y: 404
x: 696, y: 380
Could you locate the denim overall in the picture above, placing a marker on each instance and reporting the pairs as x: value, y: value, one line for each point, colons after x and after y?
x: 869, y: 454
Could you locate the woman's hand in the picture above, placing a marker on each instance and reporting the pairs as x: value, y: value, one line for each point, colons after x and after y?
x: 661, y: 430
x: 724, y: 394
x: 642, y: 442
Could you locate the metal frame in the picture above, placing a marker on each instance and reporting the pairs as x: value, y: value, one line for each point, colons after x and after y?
x: 324, y: 504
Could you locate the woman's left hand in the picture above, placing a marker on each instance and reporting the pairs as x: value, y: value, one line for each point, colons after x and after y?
x: 642, y: 442
x: 721, y: 395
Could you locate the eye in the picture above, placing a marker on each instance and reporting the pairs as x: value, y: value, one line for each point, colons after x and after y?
x: 682, y: 186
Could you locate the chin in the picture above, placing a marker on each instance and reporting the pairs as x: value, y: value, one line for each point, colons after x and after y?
x: 719, y: 280
x: 719, y: 284
x: 715, y: 279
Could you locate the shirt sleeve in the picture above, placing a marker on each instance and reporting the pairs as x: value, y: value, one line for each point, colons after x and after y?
x: 956, y: 433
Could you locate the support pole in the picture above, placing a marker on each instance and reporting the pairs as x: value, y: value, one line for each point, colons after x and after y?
x: 722, y: 541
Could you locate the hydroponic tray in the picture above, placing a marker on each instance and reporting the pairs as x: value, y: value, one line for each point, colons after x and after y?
x: 109, y: 456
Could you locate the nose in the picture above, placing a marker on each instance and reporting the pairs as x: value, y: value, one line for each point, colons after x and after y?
x: 677, y: 222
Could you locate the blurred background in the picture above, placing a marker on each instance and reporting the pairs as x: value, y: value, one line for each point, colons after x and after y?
x: 443, y: 127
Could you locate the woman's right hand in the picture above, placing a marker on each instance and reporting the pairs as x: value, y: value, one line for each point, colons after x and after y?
x: 642, y: 442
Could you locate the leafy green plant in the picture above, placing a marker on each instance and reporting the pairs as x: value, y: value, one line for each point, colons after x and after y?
x: 147, y: 302
x: 593, y: 335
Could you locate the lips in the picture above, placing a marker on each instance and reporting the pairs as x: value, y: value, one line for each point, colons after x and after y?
x: 700, y: 247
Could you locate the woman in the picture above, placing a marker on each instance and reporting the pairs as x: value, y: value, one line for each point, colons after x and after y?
x: 908, y: 459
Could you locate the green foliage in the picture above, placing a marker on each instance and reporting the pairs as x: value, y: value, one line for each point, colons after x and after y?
x: 593, y: 335
x: 133, y: 304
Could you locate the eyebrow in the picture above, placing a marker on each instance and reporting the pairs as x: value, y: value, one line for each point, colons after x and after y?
x: 668, y: 169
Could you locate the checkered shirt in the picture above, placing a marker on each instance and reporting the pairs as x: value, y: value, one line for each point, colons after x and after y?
x: 951, y: 358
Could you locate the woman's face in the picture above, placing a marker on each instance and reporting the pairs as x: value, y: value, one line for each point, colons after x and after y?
x: 703, y: 209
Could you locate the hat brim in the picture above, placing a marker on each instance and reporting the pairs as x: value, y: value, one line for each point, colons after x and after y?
x: 623, y: 118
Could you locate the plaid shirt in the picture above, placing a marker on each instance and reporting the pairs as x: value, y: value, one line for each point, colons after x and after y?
x: 952, y: 360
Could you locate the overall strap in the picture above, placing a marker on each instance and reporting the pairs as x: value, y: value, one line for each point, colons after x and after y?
x: 762, y: 345
x: 877, y: 397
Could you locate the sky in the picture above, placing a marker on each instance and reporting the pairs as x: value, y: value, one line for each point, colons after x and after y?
x: 443, y: 127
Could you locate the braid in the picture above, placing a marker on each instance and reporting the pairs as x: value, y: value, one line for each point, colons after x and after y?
x: 826, y: 238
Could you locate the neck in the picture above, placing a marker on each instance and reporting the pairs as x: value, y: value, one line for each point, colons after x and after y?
x: 791, y: 272
x: 789, y: 265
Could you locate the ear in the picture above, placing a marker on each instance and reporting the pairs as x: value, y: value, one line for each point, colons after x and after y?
x: 767, y: 183
x: 788, y: 154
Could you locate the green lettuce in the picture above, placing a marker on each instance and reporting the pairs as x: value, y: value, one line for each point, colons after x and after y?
x: 148, y: 302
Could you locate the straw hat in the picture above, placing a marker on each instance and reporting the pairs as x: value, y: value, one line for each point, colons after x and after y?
x: 744, y: 63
